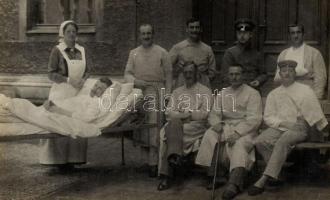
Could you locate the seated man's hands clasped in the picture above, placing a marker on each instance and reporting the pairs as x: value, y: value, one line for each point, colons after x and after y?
x: 232, y: 138
x: 218, y: 128
x: 185, y: 115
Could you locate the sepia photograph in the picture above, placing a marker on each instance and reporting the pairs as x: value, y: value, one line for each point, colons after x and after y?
x: 164, y: 99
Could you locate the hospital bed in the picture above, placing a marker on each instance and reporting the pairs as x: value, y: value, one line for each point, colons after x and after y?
x: 131, y: 121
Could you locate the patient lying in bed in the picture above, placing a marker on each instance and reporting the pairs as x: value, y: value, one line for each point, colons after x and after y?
x: 83, y: 107
x: 84, y: 115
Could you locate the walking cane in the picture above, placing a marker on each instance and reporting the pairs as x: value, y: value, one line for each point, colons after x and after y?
x: 216, y: 165
x: 218, y: 151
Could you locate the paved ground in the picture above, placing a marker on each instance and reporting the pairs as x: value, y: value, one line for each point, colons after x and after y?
x: 104, y: 178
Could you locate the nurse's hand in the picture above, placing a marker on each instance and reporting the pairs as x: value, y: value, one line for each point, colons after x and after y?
x: 48, y: 104
x: 76, y: 83
x: 80, y: 83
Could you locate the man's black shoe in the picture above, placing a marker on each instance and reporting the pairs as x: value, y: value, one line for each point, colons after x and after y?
x: 254, y: 190
x: 164, y: 184
x: 274, y: 182
x: 230, y: 192
x: 175, y: 161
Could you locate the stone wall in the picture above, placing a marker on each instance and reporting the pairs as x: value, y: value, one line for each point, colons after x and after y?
x: 9, y: 20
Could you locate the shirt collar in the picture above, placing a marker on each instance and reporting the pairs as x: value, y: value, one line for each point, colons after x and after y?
x: 290, y: 86
x: 65, y: 46
x: 192, y: 87
x: 148, y: 48
x: 237, y: 90
x: 190, y: 43
x: 299, y: 48
x: 244, y: 47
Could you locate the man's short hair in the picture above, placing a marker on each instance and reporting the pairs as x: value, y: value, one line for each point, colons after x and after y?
x: 188, y: 63
x: 192, y: 20
x: 237, y: 65
x: 146, y: 24
x: 106, y: 80
x: 301, y: 26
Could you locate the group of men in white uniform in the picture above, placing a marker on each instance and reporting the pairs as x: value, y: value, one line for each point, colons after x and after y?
x: 229, y: 121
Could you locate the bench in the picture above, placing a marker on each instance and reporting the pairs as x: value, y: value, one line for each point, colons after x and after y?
x: 322, y: 145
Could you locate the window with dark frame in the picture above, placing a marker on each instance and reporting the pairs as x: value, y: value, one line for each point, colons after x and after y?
x: 44, y: 16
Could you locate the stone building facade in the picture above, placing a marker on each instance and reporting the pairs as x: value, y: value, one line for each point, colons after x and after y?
x: 26, y: 42
x: 108, y: 29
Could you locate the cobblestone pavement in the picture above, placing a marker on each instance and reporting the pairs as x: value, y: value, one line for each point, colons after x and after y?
x: 104, y: 178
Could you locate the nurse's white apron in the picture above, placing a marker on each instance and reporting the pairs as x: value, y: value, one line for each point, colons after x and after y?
x: 65, y: 150
x: 76, y: 70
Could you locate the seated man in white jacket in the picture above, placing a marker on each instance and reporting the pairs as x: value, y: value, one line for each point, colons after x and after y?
x: 291, y: 109
x: 83, y: 107
x: 234, y: 119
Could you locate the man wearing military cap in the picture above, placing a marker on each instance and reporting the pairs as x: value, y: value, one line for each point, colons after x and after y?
x: 310, y: 68
x: 288, y: 117
x: 244, y: 54
x: 244, y: 24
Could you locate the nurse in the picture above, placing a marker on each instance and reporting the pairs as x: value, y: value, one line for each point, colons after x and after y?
x: 68, y: 68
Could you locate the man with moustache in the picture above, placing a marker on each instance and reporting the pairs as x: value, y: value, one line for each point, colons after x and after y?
x: 149, y: 67
x: 310, y: 69
x: 193, y: 49
x: 234, y: 119
x: 288, y: 117
x: 186, y: 114
x: 244, y: 54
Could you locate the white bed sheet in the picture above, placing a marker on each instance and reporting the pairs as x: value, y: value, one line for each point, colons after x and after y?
x: 40, y: 121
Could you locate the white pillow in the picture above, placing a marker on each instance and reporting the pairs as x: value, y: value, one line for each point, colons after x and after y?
x: 89, y: 84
